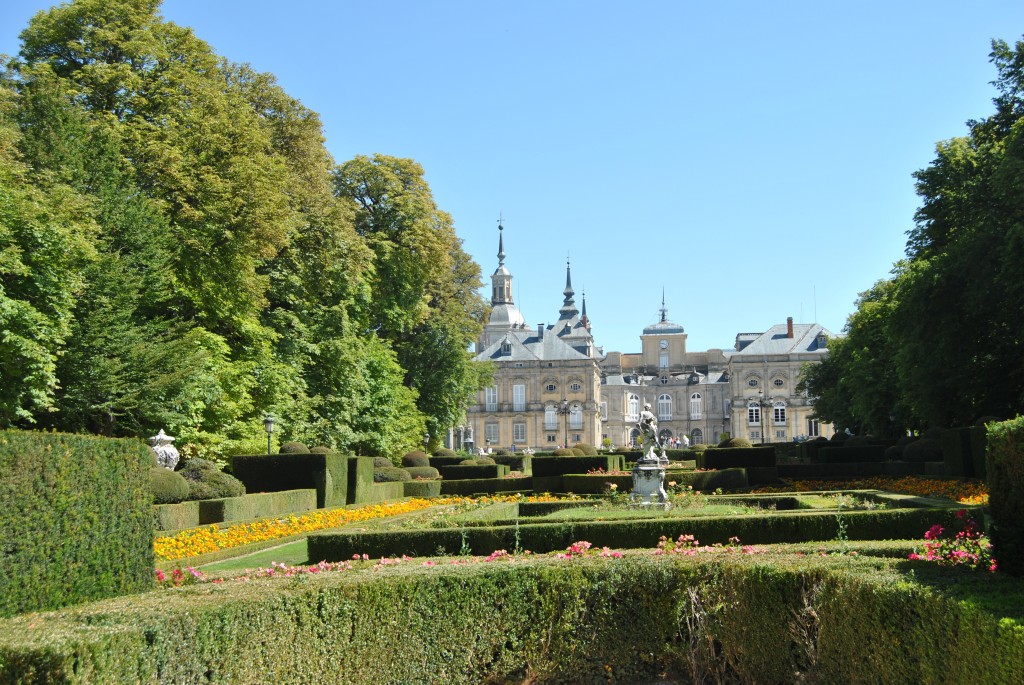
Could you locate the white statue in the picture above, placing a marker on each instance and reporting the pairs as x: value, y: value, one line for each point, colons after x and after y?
x: 166, y: 452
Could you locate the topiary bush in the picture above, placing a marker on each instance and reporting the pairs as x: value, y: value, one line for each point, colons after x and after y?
x: 382, y: 463
x: 206, y: 481
x: 423, y: 472
x: 503, y: 452
x: 169, y: 487
x: 483, y: 461
x: 840, y: 436
x: 467, y: 462
x: 445, y: 452
x: 587, y: 449
x: 735, y: 442
x: 321, y: 449
x: 415, y: 458
x: 925, y: 449
x: 700, y: 447
x: 293, y: 448
x: 391, y: 475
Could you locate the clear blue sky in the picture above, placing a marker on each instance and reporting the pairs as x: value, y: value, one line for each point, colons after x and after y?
x: 752, y: 158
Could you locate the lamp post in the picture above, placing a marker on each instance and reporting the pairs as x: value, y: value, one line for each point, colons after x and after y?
x: 268, y: 425
x: 426, y: 441
x: 563, y: 410
x: 766, y: 411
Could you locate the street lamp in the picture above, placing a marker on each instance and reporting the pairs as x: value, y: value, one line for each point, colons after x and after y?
x: 426, y: 441
x: 268, y: 425
x: 563, y: 410
x: 766, y: 411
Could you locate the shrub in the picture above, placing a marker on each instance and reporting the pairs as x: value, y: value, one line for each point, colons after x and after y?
x: 700, y: 447
x: 467, y: 462
x: 925, y: 449
x: 206, y: 481
x: 564, y: 452
x: 1005, y: 472
x: 484, y: 461
x: 321, y: 449
x: 577, y: 452
x: 415, y: 458
x: 169, y: 487
x: 840, y: 436
x: 423, y: 472
x: 293, y: 448
x: 587, y: 449
x: 932, y: 434
x: 859, y: 440
x: 503, y: 452
x: 894, y: 452
x: 445, y: 452
x: 391, y: 475
x: 382, y: 463
x: 735, y: 442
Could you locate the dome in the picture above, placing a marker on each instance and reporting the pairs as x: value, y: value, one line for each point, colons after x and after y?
x: 506, y: 315
x: 663, y: 327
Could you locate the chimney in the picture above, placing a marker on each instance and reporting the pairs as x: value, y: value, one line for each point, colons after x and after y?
x: 789, y: 327
x: 540, y: 331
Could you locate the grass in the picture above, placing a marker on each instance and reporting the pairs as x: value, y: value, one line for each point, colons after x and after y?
x: 292, y: 554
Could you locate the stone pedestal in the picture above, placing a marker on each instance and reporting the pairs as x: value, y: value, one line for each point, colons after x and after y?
x: 649, y: 485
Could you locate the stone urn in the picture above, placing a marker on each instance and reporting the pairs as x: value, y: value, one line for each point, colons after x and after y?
x: 166, y: 453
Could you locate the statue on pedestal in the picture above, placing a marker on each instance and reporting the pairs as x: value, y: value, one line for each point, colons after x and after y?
x: 654, y: 451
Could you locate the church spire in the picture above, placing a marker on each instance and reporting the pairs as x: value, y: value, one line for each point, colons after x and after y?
x: 501, y: 243
x: 568, y: 310
x: 583, y: 314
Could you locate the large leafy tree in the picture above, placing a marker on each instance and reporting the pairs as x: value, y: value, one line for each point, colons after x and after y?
x: 426, y: 288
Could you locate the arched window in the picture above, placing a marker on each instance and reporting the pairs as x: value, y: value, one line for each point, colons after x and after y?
x: 665, y: 408
x: 664, y: 434
x: 633, y: 408
x: 779, y: 412
x: 696, y: 406
x: 550, y: 418
x: 575, y: 417
x: 697, y: 436
x: 753, y: 413
x: 633, y: 436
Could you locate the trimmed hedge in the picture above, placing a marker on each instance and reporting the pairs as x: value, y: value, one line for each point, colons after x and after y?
x: 421, y: 488
x: 853, y: 454
x: 360, y: 480
x: 733, y: 618
x: 481, y: 486
x: 327, y: 473
x: 176, y: 516
x: 796, y: 526
x: 386, y: 492
x: 705, y: 481
x: 423, y: 472
x: 76, y: 522
x: 737, y: 457
x: 256, y: 506
x: 1005, y: 468
x: 558, y: 466
x: 523, y: 463
x: 455, y: 460
x: 473, y: 472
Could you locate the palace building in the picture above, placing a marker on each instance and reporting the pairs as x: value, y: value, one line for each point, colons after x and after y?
x: 554, y: 386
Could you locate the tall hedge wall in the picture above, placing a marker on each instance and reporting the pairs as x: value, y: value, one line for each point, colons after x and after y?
x: 76, y: 519
x: 327, y: 473
x: 736, y: 457
x: 1005, y: 468
x: 633, y: 620
x: 559, y: 466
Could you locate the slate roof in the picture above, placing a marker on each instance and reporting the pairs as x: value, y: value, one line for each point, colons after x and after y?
x: 775, y: 341
x: 527, y: 346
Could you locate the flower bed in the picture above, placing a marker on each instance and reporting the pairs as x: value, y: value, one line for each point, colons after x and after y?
x: 965, y: 492
x: 193, y: 542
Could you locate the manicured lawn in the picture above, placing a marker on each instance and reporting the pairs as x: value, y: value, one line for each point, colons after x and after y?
x: 292, y: 554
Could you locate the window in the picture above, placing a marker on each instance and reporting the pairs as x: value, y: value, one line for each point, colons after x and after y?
x: 551, y: 438
x: 491, y: 398
x: 491, y: 433
x: 604, y: 411
x: 550, y: 418
x: 781, y: 434
x: 633, y: 436
x: 752, y: 382
x: 665, y: 408
x: 664, y: 434
x: 663, y: 359
x: 697, y: 436
x: 518, y: 398
x: 779, y: 412
x: 506, y: 348
x: 754, y: 413
x: 696, y: 406
x: 664, y: 380
x: 550, y: 387
x: 576, y: 416
x: 518, y: 432
x: 755, y: 435
x: 813, y: 429
x: 575, y: 386
x: 778, y: 382
x: 577, y: 438
x: 633, y: 408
